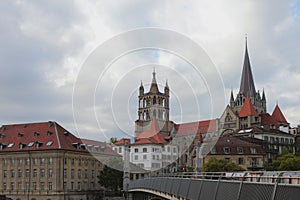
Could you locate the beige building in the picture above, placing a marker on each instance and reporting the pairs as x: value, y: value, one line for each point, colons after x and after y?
x: 45, y: 161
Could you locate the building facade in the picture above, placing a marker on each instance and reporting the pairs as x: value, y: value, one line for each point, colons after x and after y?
x: 45, y: 161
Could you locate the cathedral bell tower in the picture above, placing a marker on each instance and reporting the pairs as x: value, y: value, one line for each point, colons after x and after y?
x: 153, y: 104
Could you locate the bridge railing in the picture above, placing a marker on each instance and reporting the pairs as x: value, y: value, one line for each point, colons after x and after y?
x: 246, y: 185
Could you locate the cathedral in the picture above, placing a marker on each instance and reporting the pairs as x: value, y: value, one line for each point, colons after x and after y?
x: 245, y: 119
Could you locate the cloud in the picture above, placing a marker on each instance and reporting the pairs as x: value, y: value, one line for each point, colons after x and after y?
x: 44, y: 45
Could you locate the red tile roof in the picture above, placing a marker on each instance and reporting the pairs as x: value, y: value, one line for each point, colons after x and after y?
x: 154, y: 129
x: 196, y: 127
x: 248, y: 109
x: 122, y: 141
x: 41, y: 136
x: 152, y: 136
x: 266, y: 119
x: 278, y: 117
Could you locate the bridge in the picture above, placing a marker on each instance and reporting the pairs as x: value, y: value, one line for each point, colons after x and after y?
x: 219, y: 186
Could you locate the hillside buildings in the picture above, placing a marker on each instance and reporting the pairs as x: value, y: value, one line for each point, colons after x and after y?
x: 245, y: 120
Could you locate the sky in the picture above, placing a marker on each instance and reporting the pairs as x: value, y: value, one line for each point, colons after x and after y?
x: 79, y: 63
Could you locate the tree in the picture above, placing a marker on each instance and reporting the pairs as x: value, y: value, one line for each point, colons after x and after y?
x: 221, y: 165
x: 111, y: 176
x: 113, y: 140
x: 285, y: 162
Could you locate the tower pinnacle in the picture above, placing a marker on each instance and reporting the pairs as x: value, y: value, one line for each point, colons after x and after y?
x: 247, y: 86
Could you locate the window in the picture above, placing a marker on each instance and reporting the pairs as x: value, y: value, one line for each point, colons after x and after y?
x: 85, y: 173
x: 72, y: 185
x: 253, y: 150
x: 50, y: 173
x: 10, y: 145
x: 136, y: 157
x: 30, y: 144
x: 19, y: 186
x: 144, y: 150
x: 174, y: 150
x: 72, y: 173
x: 36, y: 134
x: 42, y: 173
x: 213, y: 150
x: 27, y: 173
x: 266, y: 138
x: 153, y: 157
x: 65, y: 173
x: 65, y: 186
x: 227, y: 159
x: 34, y: 185
x: 4, y: 173
x: 136, y: 150
x: 12, y: 162
x: 19, y: 173
x: 42, y: 185
x: 93, y: 173
x: 42, y: 161
x: 12, y: 173
x: 72, y: 161
x: 27, y: 161
x: 34, y: 173
x: 49, y: 133
x: 240, y: 161
x: 66, y: 161
x: 35, y: 161
x: 50, y: 186
x: 120, y: 149
x: 49, y: 143
x: 226, y: 150
x: 240, y: 150
x: 20, y: 162
x: 79, y: 173
x: 26, y: 186
x: 4, y: 186
x: 79, y: 186
x: 145, y: 157
x: 50, y: 161
x: 4, y: 162
x: 291, y: 141
x: 168, y: 149
x: 79, y: 162
x: 12, y: 186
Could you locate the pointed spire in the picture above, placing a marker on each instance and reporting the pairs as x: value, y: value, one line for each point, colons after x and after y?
x: 167, y: 86
x: 263, y: 95
x: 247, y: 86
x: 231, y: 96
x: 154, y: 87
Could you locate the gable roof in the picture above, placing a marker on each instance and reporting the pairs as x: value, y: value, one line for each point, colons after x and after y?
x: 248, y: 109
x: 196, y: 127
x: 44, y: 136
x: 122, y: 141
x: 278, y: 116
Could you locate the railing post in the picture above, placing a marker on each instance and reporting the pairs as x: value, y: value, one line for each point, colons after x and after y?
x: 241, y: 185
x: 276, y: 184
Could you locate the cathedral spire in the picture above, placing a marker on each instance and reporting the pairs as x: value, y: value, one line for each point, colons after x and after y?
x: 247, y: 87
x: 154, y: 87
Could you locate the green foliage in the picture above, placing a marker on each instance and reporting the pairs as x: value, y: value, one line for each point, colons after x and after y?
x: 110, y: 176
x: 220, y: 165
x: 285, y: 162
x: 113, y: 140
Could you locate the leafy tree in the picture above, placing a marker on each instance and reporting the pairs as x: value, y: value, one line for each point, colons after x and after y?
x: 113, y: 140
x: 285, y: 162
x: 221, y: 165
x: 111, y: 176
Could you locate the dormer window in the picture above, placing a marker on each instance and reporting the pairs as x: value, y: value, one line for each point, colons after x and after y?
x: 36, y: 134
x: 38, y: 144
x: 22, y: 145
x: 30, y: 144
x: 49, y: 133
x: 2, y: 146
x: 20, y: 134
x: 10, y: 145
x: 77, y: 145
x: 49, y: 143
x: 2, y: 135
x: 66, y: 133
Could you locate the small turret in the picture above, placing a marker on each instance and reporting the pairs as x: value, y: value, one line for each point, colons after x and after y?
x: 167, y: 90
x: 231, y: 99
x: 141, y: 89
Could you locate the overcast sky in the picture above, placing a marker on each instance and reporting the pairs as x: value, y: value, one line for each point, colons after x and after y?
x: 47, y: 48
